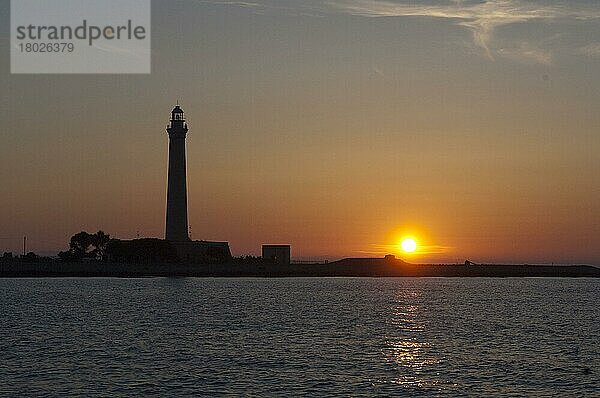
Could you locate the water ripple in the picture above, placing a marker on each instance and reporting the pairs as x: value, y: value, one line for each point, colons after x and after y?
x: 300, y: 337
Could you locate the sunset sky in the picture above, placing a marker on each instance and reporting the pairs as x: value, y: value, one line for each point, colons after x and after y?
x: 336, y: 126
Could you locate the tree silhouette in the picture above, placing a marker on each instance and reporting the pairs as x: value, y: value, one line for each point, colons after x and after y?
x: 100, y: 242
x: 80, y: 245
x: 30, y: 257
x: 86, y: 245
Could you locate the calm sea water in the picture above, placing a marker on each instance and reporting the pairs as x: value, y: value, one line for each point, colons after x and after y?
x: 291, y: 337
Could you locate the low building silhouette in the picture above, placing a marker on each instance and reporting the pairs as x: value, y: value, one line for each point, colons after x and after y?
x: 155, y: 251
x: 277, y: 254
x: 200, y: 251
x: 136, y: 251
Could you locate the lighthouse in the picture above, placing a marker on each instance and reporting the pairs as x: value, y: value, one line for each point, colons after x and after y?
x: 177, y: 217
x: 177, y: 246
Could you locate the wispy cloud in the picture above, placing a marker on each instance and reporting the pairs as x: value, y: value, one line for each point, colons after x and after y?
x: 245, y: 4
x: 527, y: 53
x: 379, y: 249
x: 481, y: 17
x: 591, y: 50
x: 120, y: 50
x: 299, y: 8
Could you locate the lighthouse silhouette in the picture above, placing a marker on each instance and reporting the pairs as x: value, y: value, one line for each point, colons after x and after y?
x: 177, y: 215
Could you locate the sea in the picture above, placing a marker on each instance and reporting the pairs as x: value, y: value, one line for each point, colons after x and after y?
x: 288, y: 337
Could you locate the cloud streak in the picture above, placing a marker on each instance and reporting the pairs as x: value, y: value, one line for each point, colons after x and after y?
x: 591, y: 50
x: 527, y: 53
x: 379, y: 249
x: 482, y: 18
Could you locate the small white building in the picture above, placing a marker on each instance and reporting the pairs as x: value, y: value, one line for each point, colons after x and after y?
x: 277, y: 254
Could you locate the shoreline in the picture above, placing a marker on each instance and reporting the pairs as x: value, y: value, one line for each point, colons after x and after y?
x: 343, y: 268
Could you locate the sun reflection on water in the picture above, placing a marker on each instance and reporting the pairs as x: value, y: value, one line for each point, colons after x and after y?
x: 408, y: 353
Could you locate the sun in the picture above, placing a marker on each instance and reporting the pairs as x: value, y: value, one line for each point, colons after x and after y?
x: 408, y: 245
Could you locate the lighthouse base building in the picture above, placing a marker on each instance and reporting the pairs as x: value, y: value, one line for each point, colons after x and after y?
x: 201, y: 251
x: 161, y: 251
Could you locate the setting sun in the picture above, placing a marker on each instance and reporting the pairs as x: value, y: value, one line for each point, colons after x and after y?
x: 408, y: 245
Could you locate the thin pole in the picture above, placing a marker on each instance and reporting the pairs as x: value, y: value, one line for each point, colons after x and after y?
x: 24, y: 245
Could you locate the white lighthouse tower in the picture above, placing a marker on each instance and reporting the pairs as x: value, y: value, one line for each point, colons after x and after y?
x: 177, y: 217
